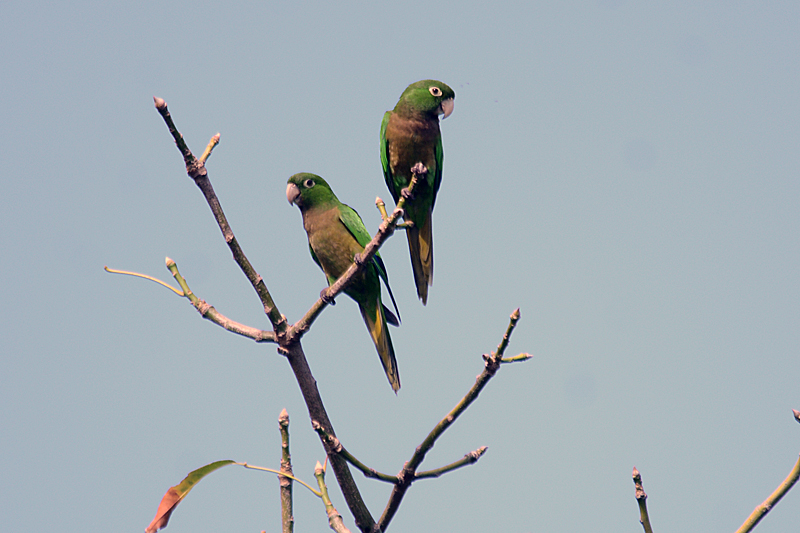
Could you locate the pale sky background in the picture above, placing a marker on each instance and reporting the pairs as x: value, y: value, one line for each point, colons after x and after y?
x: 626, y: 174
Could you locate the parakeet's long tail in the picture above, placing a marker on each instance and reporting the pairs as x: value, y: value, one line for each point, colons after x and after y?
x: 420, y: 245
x: 376, y: 324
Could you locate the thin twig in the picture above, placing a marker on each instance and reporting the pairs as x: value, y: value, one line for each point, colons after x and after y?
x: 287, y: 516
x: 516, y: 359
x: 641, y: 499
x: 206, y: 311
x: 211, y: 145
x: 334, y: 518
x: 381, y: 205
x: 210, y: 313
x: 145, y: 276
x: 273, y: 471
x: 469, y: 459
x: 762, y: 510
x: 336, y: 446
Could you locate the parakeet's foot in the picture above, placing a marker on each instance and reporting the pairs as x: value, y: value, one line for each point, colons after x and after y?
x: 323, y: 295
x: 419, y: 169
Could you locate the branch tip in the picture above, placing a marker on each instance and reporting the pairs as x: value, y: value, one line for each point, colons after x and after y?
x: 796, y: 414
x: 160, y: 103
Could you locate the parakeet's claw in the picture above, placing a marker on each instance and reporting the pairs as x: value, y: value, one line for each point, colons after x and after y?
x: 405, y: 193
x: 419, y: 169
x: 323, y: 295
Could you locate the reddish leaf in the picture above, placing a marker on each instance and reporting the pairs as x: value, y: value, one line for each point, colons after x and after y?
x: 175, y: 494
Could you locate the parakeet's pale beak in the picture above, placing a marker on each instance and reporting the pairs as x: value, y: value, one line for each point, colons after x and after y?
x: 292, y: 192
x: 446, y: 107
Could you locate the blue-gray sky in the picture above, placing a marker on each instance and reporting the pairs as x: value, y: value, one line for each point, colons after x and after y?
x: 626, y: 174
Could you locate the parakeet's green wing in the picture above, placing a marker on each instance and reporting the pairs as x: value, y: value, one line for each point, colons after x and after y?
x: 387, y: 172
x: 352, y: 221
x: 438, y: 153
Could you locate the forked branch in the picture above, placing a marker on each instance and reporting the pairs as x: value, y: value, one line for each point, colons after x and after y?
x: 197, y: 171
x: 292, y: 350
x: 409, y: 474
x: 206, y: 310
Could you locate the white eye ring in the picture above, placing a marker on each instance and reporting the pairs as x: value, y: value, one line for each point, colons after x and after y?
x: 308, y: 183
x: 435, y: 91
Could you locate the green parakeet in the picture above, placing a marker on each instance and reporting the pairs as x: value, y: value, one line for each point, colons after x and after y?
x: 410, y: 135
x: 335, y: 235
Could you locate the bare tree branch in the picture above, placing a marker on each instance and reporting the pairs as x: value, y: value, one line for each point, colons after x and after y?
x: 408, y: 474
x: 197, y: 171
x: 206, y: 311
x: 641, y: 499
x: 287, y: 517
x: 334, y: 518
x: 209, y: 313
x: 762, y: 510
x: 337, y: 447
x: 469, y: 459
x: 292, y: 350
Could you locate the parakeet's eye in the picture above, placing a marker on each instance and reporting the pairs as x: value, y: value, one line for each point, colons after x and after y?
x: 308, y: 183
x: 435, y: 91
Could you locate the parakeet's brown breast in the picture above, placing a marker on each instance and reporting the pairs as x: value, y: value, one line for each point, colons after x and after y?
x: 411, y: 140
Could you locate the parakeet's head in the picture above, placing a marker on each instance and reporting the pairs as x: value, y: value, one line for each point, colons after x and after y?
x: 307, y: 190
x: 427, y: 96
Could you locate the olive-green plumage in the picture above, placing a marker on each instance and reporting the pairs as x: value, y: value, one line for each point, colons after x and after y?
x: 409, y: 135
x: 335, y: 235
